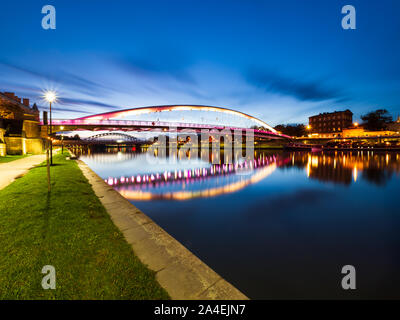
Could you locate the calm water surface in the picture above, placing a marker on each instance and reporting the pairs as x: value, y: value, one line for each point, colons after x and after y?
x: 282, y: 227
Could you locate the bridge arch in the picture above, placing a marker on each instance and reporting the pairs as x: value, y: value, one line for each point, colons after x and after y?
x: 122, y: 136
x: 154, y: 109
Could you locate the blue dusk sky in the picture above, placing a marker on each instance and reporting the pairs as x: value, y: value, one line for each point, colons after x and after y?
x: 280, y: 60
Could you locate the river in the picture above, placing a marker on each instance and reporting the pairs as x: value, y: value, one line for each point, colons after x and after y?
x: 279, y: 227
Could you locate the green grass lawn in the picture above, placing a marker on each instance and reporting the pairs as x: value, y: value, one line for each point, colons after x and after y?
x: 9, y: 158
x: 70, y: 230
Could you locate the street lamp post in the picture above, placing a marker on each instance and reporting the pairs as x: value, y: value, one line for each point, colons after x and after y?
x: 51, y: 139
x: 50, y: 96
x: 62, y: 141
x: 308, y: 128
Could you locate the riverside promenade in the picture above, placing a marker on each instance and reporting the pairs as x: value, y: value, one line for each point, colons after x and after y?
x: 10, y: 171
x: 67, y: 228
x: 177, y: 270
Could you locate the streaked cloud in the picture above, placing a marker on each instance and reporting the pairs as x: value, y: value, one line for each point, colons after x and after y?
x: 59, y: 77
x: 304, y: 90
x: 84, y: 102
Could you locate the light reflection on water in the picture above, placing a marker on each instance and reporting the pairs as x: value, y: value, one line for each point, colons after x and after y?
x: 182, y: 183
x: 281, y: 227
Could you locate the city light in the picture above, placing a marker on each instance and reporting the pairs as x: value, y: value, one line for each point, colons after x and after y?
x: 356, y: 124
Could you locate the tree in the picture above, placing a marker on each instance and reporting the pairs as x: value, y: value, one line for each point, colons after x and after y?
x: 294, y: 130
x: 260, y: 128
x: 376, y: 120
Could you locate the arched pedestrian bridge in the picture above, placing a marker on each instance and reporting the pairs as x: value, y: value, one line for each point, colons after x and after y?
x: 111, y: 121
x: 112, y: 136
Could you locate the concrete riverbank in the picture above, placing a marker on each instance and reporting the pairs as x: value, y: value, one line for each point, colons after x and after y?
x: 179, y: 272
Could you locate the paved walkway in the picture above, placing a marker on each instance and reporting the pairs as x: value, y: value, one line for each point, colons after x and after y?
x: 9, y: 171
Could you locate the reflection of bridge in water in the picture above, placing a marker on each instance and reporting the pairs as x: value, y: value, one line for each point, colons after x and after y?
x: 142, y: 186
x: 195, y: 177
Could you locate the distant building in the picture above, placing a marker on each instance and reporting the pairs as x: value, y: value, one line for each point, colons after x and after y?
x: 330, y: 123
x: 395, y: 125
x: 361, y: 133
x: 19, y: 125
x: 13, y: 107
x: 3, y: 149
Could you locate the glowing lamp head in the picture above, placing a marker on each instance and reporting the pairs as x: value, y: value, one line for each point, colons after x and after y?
x: 356, y: 124
x: 308, y: 127
x: 50, y: 96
